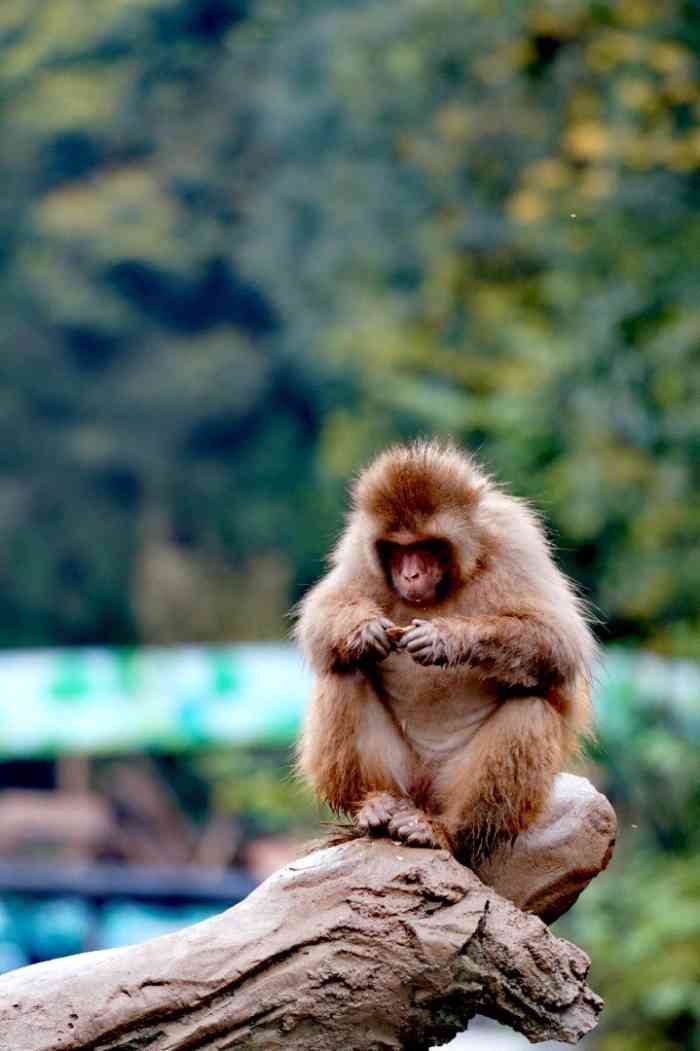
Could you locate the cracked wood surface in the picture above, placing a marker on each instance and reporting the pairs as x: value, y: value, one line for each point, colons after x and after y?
x: 368, y: 946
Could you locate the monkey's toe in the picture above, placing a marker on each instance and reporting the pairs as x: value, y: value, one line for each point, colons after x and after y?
x: 376, y: 812
x: 413, y: 828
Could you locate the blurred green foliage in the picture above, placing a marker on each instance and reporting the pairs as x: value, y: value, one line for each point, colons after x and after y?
x: 640, y: 922
x: 259, y: 786
x: 243, y: 245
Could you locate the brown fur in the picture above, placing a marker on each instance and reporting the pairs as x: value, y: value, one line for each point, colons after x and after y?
x: 509, y: 635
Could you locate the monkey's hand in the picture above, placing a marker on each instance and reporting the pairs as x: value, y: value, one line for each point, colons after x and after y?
x: 370, y: 640
x: 426, y: 642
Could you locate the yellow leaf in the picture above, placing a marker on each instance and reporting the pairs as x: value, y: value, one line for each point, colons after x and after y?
x: 683, y: 155
x: 455, y: 122
x: 588, y: 140
x: 642, y: 151
x: 70, y: 98
x: 526, y: 206
x: 585, y: 105
x: 555, y: 20
x: 489, y: 302
x: 500, y: 65
x: 60, y: 29
x: 597, y: 183
x: 123, y: 212
x: 669, y: 57
x: 637, y: 12
x: 635, y: 93
x: 612, y: 48
x: 681, y: 90
x: 548, y: 174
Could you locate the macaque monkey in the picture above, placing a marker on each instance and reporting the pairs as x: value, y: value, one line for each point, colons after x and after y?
x: 452, y: 659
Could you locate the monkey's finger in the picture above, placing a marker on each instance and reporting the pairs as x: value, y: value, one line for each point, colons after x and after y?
x: 386, y: 623
x: 417, y: 628
x: 415, y: 633
x: 420, y: 839
x: 381, y: 652
x: 367, y: 818
x: 419, y: 641
x: 372, y: 816
x: 375, y: 630
x: 378, y: 637
x: 401, y: 830
x: 422, y: 654
x: 403, y: 822
x: 412, y: 829
x: 414, y: 625
x: 428, y: 654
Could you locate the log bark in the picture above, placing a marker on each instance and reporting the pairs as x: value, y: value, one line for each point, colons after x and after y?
x: 368, y: 946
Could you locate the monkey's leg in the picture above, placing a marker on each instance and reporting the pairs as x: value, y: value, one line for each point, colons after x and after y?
x: 567, y: 845
x: 350, y: 746
x: 496, y: 787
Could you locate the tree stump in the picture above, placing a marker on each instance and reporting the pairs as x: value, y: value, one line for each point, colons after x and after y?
x: 367, y: 946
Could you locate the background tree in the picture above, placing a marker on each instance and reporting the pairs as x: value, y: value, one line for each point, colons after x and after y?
x: 243, y: 245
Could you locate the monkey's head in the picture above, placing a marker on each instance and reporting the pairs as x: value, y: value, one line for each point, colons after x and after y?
x: 414, y: 520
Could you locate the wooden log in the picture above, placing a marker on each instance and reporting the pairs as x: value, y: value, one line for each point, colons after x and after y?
x: 367, y: 946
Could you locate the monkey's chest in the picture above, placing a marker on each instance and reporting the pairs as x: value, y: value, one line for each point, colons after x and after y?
x: 439, y: 710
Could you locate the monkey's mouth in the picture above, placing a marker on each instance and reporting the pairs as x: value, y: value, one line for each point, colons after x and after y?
x: 418, y: 596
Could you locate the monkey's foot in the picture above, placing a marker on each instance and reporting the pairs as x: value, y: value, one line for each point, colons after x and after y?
x: 412, y: 827
x: 377, y: 811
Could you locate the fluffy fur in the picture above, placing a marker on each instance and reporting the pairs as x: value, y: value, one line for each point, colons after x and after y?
x: 467, y: 743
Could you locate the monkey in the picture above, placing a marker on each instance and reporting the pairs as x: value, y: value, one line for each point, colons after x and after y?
x: 452, y: 659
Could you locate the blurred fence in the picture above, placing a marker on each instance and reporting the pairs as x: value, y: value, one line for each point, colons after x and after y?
x: 112, y: 700
x: 119, y: 700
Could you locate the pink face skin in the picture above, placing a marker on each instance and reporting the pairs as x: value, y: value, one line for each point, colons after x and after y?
x: 416, y: 572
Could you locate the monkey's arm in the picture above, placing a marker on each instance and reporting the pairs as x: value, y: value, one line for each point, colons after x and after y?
x: 517, y: 649
x: 339, y: 626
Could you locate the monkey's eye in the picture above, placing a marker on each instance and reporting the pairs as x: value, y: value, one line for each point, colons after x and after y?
x: 384, y: 550
x: 437, y: 549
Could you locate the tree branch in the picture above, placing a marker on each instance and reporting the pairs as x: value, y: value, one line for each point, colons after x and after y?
x: 368, y: 946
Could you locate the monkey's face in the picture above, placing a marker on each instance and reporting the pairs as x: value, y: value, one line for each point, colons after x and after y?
x: 417, y: 571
